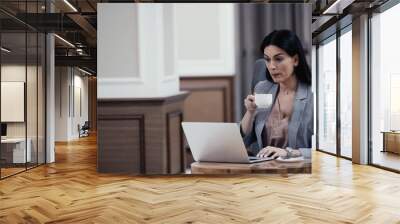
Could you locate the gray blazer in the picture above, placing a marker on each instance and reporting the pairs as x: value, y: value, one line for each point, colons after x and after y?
x: 301, y: 127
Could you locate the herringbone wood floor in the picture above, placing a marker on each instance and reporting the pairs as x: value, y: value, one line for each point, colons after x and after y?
x: 71, y: 191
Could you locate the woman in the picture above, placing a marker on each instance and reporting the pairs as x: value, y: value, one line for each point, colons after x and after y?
x: 286, y: 127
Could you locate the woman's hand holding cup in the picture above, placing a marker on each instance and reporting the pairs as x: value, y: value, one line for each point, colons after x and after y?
x: 250, y: 104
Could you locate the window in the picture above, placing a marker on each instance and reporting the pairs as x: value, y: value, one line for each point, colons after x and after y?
x: 385, y: 88
x: 327, y: 95
x: 346, y: 93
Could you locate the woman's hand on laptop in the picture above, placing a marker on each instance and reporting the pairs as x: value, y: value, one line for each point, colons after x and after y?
x: 273, y: 152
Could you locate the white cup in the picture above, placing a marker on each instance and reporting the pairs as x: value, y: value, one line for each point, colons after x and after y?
x: 263, y: 100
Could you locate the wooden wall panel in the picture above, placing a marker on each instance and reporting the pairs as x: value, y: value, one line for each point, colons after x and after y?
x: 92, y: 100
x: 121, y: 144
x: 206, y: 105
x: 210, y: 100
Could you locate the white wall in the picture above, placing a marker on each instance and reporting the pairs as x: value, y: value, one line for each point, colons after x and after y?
x: 136, y: 53
x: 205, y: 35
x: 70, y: 83
x: 61, y: 103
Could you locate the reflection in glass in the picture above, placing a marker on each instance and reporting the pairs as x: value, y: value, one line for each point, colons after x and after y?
x: 23, y: 89
x: 13, y: 87
x: 41, y: 98
x: 385, y: 88
x: 346, y: 94
x: 31, y: 101
x: 327, y: 96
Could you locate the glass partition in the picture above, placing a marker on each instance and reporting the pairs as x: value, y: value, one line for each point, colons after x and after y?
x: 14, y: 153
x: 22, y: 77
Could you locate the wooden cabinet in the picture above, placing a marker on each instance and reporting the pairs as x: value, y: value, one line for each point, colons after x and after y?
x: 141, y: 136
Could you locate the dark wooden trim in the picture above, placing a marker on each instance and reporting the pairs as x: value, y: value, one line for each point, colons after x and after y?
x: 92, y: 101
x: 120, y: 116
x: 333, y: 154
x: 345, y: 157
x: 7, y: 176
x: 232, y: 93
x: 168, y: 116
x: 385, y: 168
x: 168, y: 156
x: 223, y: 88
x: 141, y: 119
x: 329, y: 153
x: 204, y: 77
x: 142, y: 145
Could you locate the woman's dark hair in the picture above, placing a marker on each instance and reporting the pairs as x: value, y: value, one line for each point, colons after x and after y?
x: 290, y: 43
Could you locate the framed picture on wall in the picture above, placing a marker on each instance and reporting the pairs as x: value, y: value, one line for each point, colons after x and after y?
x: 12, y: 101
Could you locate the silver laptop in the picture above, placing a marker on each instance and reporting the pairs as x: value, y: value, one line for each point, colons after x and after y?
x: 217, y: 142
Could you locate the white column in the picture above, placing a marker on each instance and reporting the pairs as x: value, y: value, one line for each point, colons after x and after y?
x: 50, y: 99
x: 360, y: 90
x: 64, y: 96
x: 136, y: 53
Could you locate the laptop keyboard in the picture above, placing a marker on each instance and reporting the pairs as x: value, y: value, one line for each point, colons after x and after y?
x: 257, y: 158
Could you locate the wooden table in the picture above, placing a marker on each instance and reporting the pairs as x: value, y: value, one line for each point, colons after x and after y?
x: 272, y: 166
x: 391, y: 141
